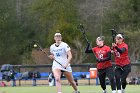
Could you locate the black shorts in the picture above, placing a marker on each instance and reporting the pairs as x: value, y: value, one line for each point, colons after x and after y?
x: 126, y: 68
x: 107, y: 71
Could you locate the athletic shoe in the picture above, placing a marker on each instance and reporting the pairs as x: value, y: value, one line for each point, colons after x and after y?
x: 114, y: 91
x: 123, y: 90
x: 104, y: 91
x: 119, y: 91
x: 76, y: 92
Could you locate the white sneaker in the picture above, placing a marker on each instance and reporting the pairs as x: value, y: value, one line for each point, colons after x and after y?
x: 76, y: 91
x: 104, y: 91
x: 113, y: 91
x: 119, y: 91
x: 123, y: 90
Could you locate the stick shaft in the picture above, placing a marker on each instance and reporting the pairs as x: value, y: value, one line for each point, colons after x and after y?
x: 48, y: 55
x: 86, y: 38
x: 82, y: 29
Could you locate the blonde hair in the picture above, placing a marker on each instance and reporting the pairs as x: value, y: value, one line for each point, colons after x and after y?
x: 101, y: 38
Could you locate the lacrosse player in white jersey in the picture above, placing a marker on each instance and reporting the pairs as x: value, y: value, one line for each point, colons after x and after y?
x: 61, y: 56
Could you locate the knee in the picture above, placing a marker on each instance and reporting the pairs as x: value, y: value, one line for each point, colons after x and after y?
x: 57, y: 79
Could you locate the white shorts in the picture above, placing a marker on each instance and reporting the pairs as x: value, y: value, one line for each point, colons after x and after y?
x: 58, y: 66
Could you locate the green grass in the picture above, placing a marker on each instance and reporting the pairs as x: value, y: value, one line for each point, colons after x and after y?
x: 65, y: 89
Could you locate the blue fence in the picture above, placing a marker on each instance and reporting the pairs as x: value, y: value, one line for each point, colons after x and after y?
x: 79, y: 72
x: 83, y: 74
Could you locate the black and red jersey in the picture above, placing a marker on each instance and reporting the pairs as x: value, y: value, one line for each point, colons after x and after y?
x: 101, y: 54
x: 121, y: 59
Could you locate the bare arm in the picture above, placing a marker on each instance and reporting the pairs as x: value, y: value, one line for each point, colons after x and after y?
x: 69, y: 57
x: 51, y: 56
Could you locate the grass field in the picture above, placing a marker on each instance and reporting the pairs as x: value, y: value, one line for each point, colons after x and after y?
x: 66, y: 89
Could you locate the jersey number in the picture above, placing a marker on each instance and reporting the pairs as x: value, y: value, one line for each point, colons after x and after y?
x: 117, y: 54
x: 57, y: 54
x: 100, y: 56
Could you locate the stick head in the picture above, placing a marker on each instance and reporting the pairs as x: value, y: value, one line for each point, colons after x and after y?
x: 34, y: 41
x: 34, y: 44
x: 81, y: 27
x: 114, y: 32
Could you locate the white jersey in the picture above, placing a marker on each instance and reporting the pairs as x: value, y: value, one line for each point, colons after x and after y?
x: 60, y: 55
